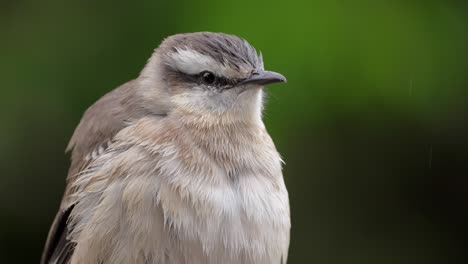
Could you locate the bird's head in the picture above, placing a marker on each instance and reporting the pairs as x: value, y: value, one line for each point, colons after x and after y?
x: 208, y: 74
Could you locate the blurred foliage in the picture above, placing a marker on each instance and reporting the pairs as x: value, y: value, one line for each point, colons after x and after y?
x: 372, y: 123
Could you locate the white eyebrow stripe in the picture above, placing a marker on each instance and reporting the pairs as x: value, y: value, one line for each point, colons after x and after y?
x: 192, y: 62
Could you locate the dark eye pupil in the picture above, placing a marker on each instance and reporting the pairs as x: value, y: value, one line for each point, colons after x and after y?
x: 208, y: 77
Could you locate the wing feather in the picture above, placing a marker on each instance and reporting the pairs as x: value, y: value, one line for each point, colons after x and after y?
x: 100, y: 123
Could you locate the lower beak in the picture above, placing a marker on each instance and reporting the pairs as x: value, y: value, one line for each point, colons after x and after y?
x: 264, y: 78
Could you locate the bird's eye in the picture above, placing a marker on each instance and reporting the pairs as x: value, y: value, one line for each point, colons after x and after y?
x: 208, y: 77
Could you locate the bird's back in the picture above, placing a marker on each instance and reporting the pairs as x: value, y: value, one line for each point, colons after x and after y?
x: 99, y: 124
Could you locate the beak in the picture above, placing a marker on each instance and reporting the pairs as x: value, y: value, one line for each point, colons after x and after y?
x: 264, y: 78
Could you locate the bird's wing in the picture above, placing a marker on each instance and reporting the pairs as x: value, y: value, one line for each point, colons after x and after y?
x: 92, y: 137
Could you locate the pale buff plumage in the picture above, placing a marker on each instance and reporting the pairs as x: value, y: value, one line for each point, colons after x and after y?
x: 200, y: 184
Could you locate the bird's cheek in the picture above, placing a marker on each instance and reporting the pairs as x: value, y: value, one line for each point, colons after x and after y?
x: 250, y: 89
x: 249, y: 97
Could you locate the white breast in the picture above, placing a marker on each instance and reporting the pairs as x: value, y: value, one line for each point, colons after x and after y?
x: 170, y: 206
x: 243, y: 218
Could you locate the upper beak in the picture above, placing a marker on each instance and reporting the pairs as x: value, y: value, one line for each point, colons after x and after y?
x: 264, y: 78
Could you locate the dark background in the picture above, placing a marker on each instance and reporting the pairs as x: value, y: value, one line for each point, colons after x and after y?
x: 373, y: 123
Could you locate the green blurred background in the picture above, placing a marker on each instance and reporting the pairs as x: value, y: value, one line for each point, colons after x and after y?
x: 373, y: 123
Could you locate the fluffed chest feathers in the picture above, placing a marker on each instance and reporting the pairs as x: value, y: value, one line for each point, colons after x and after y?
x: 225, y: 199
x: 240, y: 209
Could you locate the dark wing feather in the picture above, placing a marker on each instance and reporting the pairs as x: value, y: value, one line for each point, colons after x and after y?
x: 58, y: 239
x: 100, y: 123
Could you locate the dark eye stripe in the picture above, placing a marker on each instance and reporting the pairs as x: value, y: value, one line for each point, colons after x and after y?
x: 174, y: 75
x: 220, y: 82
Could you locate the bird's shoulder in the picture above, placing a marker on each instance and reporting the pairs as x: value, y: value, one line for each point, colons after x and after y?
x: 100, y: 123
x: 93, y: 135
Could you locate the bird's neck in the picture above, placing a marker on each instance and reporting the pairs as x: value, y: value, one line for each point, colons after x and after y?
x: 245, y: 112
x: 217, y: 122
x: 234, y: 146
x: 221, y: 133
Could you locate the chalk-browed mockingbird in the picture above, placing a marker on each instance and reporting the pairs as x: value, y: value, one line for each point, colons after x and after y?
x: 176, y: 166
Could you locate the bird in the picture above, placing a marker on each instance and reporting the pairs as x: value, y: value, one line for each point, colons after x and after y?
x: 176, y: 166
